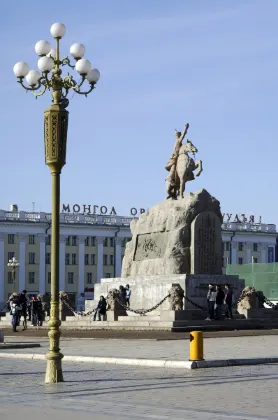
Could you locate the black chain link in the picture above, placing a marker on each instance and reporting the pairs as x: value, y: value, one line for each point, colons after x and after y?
x: 195, y: 304
x: 142, y: 312
x: 81, y: 313
x: 2, y: 309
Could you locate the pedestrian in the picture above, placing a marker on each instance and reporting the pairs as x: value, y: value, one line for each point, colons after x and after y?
x: 219, y: 300
x: 211, y: 296
x: 23, y: 303
x: 228, y: 300
x: 122, y: 294
x: 15, y: 310
x: 127, y: 295
x: 101, y: 308
x: 35, y: 311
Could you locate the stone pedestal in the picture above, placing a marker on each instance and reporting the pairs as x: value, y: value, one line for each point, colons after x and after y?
x: 147, y: 291
x: 114, y: 315
x: 259, y: 313
x: 182, y: 315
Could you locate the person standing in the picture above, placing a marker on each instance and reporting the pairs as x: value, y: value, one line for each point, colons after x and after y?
x: 15, y: 310
x: 127, y: 295
x: 228, y: 300
x: 220, y: 295
x: 211, y: 296
x: 23, y: 303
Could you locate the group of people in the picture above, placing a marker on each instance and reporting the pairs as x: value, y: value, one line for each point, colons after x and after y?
x: 219, y: 300
x: 30, y: 309
x: 125, y: 294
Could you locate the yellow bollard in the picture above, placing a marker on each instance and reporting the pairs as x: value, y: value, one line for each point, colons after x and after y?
x: 196, y: 346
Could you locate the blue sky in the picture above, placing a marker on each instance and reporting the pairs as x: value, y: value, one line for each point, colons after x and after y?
x: 212, y: 63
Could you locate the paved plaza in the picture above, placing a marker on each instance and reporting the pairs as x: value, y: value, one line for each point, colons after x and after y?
x: 107, y: 392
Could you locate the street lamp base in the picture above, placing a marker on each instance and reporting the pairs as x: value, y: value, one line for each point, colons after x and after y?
x: 54, y: 373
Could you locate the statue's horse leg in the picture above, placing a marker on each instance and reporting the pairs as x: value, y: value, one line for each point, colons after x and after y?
x: 199, y: 166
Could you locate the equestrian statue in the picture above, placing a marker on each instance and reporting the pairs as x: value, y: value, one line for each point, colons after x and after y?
x: 181, y: 166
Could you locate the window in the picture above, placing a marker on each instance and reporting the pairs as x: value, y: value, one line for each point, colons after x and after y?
x: 87, y: 241
x: 10, y: 255
x: 70, y: 278
x: 93, y: 259
x: 107, y: 275
x: 32, y: 258
x: 111, y: 259
x: 31, y: 277
x: 105, y: 259
x: 255, y: 247
x: 10, y: 239
x: 240, y: 260
x: 105, y: 242
x: 31, y: 239
x: 49, y: 278
x: 86, y: 259
x: 111, y: 242
x: 10, y: 277
x: 48, y: 240
x: 68, y: 241
x: 74, y: 240
x: 227, y: 246
x: 255, y: 260
x: 93, y: 241
x: 47, y: 258
x: 240, y: 246
x: 73, y: 259
x: 67, y: 259
x: 89, y: 278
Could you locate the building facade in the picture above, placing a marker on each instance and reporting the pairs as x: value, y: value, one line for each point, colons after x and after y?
x: 92, y: 247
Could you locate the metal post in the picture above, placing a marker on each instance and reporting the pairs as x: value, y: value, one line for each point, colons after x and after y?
x: 196, y: 346
x: 54, y: 357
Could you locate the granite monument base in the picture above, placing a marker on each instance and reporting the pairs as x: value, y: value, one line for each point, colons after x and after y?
x: 147, y: 291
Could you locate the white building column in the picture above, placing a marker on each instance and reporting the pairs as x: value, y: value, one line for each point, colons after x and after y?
x: 22, y: 250
x: 118, y: 257
x: 263, y: 253
x: 234, y: 251
x: 249, y: 253
x: 42, y: 264
x: 62, y: 271
x: 99, y: 241
x: 81, y: 266
x: 2, y: 271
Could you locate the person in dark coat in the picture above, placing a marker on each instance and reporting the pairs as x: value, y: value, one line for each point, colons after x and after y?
x: 219, y: 300
x: 211, y: 296
x: 228, y: 300
x: 23, y: 303
x: 100, y: 309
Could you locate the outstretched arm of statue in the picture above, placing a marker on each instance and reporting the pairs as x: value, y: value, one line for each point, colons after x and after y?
x: 186, y: 127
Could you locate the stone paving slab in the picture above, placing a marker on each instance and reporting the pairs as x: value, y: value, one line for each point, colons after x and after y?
x: 123, y: 393
x: 214, y: 348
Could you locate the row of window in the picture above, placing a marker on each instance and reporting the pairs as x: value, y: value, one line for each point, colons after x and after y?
x: 71, y: 240
x: 32, y: 278
x: 71, y: 259
x: 240, y: 246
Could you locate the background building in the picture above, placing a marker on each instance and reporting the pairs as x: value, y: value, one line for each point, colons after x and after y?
x: 92, y: 247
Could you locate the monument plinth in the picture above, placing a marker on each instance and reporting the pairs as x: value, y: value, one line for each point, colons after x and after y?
x: 177, y: 241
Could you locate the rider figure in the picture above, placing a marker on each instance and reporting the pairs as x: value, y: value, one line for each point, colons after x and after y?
x: 172, y: 162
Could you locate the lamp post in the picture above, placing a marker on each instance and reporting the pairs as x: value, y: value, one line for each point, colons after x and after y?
x: 14, y: 264
x: 55, y: 139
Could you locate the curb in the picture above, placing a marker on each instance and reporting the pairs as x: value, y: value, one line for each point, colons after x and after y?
x: 174, y: 364
x: 19, y: 346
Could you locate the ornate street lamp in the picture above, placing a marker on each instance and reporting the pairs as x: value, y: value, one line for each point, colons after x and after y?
x: 55, y: 139
x: 14, y: 264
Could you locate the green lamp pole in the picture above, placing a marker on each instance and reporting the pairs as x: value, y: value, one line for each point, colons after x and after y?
x: 55, y: 140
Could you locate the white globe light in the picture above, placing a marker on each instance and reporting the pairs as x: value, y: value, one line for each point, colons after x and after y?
x: 45, y: 64
x: 32, y: 77
x: 77, y: 50
x: 21, y: 69
x: 42, y: 47
x: 83, y: 66
x: 93, y: 76
x: 58, y: 30
x: 52, y: 53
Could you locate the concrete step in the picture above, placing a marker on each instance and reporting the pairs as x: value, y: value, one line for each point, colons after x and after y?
x: 137, y: 318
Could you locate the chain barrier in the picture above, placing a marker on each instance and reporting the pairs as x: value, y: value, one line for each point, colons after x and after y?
x: 263, y: 299
x: 2, y: 309
x: 195, y: 304
x: 142, y: 312
x: 81, y: 313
